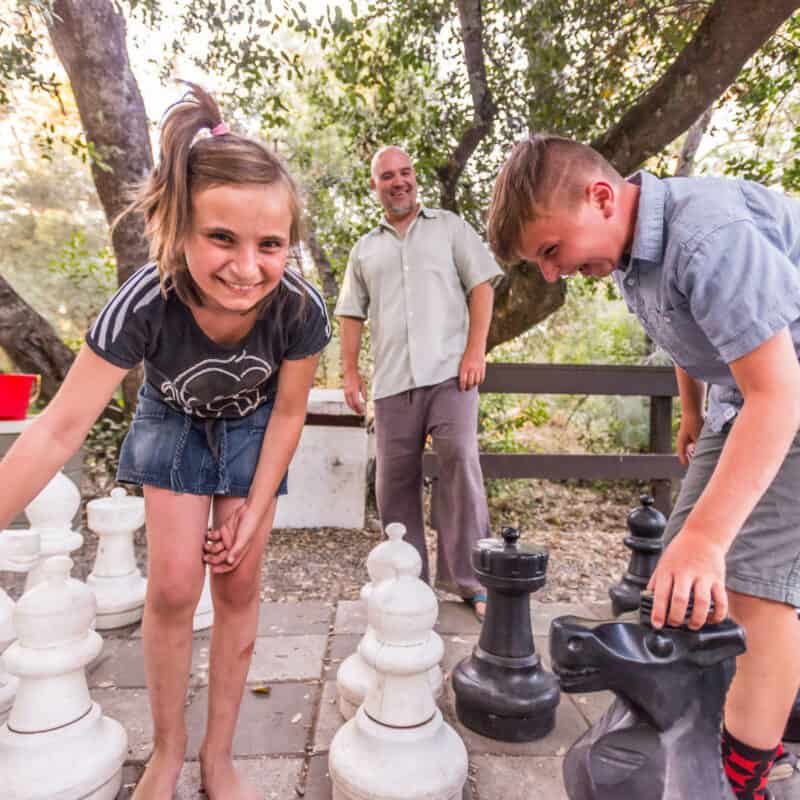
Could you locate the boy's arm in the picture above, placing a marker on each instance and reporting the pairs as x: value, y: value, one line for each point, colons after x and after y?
x: 355, y: 389
x: 56, y: 434
x: 472, y: 370
x: 769, y: 379
x: 693, y: 397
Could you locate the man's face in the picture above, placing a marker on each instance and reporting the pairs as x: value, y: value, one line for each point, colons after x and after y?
x: 395, y: 183
x: 587, y: 238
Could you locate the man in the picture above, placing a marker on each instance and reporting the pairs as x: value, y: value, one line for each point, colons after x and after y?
x: 422, y: 278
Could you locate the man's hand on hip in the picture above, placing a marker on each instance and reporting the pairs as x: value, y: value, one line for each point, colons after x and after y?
x: 355, y: 392
x: 472, y: 370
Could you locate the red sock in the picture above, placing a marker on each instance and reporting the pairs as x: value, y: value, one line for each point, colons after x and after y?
x: 747, y: 767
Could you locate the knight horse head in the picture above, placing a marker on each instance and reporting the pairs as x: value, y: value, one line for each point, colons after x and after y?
x: 670, y: 686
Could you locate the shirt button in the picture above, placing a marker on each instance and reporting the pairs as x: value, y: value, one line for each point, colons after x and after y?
x: 629, y: 281
x: 410, y: 314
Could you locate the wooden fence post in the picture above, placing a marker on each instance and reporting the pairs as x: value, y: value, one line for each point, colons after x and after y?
x: 661, y: 442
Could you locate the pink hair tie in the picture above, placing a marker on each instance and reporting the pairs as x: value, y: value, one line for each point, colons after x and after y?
x: 220, y: 130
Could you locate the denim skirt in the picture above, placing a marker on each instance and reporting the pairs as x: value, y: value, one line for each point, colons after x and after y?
x: 172, y: 450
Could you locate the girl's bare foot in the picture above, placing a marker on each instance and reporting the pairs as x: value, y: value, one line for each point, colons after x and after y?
x: 160, y: 776
x: 221, y: 782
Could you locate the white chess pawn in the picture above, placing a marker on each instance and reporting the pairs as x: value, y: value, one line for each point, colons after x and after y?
x: 388, y: 559
x: 56, y: 742
x: 50, y: 514
x: 115, y: 579
x: 397, y: 745
x: 19, y: 551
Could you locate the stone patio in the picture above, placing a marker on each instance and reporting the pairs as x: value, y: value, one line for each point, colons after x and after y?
x: 283, y: 736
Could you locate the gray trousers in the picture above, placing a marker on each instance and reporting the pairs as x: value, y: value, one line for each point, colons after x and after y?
x: 402, y: 424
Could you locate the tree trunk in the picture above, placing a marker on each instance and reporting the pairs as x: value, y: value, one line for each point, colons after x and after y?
x: 731, y: 32
x: 30, y: 341
x: 89, y: 38
x: 330, y: 286
x: 690, y: 147
x: 522, y: 300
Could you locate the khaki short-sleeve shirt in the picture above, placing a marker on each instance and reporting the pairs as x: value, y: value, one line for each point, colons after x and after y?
x: 413, y: 290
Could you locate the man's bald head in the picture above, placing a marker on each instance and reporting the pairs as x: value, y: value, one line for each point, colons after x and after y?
x: 388, y: 148
x: 394, y: 182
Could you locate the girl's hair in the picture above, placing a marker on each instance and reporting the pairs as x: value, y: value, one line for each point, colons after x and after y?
x: 543, y: 173
x: 189, y: 163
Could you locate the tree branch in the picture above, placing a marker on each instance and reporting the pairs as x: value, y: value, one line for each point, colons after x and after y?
x: 731, y: 32
x: 89, y: 39
x: 690, y: 147
x: 484, y: 108
x: 327, y: 277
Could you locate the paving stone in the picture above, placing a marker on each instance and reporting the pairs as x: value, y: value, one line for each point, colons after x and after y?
x: 457, y: 648
x: 293, y: 619
x: 131, y: 708
x: 569, y: 726
x: 130, y: 777
x: 456, y: 617
x: 351, y: 617
x: 318, y: 782
x: 519, y: 778
x: 287, y: 658
x: 274, y: 778
x: 121, y: 665
x: 342, y: 645
x: 544, y: 613
x: 592, y: 705
x: 329, y: 720
x: 273, y: 724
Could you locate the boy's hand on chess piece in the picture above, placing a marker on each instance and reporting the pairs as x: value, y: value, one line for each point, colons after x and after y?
x: 690, y: 567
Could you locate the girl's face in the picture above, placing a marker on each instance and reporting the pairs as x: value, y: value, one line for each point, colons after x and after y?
x: 238, y: 243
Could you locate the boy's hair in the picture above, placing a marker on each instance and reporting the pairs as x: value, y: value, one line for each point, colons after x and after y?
x: 543, y: 172
x: 189, y: 163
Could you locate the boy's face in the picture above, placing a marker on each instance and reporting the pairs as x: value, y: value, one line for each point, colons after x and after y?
x: 589, y: 238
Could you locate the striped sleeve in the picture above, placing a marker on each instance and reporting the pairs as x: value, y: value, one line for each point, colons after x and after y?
x: 122, y: 331
x: 315, y: 330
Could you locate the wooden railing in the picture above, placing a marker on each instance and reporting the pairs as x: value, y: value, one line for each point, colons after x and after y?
x: 659, y: 466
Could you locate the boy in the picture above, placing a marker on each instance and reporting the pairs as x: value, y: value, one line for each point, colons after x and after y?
x: 712, y: 270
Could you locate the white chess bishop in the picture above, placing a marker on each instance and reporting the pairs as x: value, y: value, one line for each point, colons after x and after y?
x: 397, y: 746
x: 50, y: 515
x: 56, y: 743
x: 386, y: 560
x: 115, y: 579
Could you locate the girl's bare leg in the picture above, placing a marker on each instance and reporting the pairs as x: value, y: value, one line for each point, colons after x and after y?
x: 236, y: 598
x: 176, y: 528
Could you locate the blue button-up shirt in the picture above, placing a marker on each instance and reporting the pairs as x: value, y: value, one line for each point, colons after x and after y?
x: 714, y: 271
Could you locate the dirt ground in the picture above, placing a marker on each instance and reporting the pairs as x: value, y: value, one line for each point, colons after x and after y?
x: 581, y: 526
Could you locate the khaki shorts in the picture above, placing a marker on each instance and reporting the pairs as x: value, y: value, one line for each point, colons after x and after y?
x: 764, y: 559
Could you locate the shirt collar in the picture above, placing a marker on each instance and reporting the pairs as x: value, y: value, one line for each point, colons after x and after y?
x: 422, y: 211
x: 648, y: 237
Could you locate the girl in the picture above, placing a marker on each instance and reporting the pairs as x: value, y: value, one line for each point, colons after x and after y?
x: 230, y: 339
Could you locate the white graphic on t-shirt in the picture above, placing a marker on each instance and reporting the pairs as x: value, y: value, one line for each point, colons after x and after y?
x: 247, y: 374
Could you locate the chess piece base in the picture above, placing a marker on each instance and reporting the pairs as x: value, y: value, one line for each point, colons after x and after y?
x: 369, y: 761
x: 82, y: 760
x: 120, y: 600
x: 8, y: 690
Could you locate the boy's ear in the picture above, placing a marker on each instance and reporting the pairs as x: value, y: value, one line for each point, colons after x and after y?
x: 602, y: 196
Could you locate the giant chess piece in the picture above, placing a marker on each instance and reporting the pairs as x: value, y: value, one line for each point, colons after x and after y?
x: 646, y: 541
x: 204, y: 612
x: 502, y: 690
x: 386, y: 560
x: 56, y: 742
x: 660, y: 738
x: 115, y: 579
x: 50, y: 515
x: 19, y: 552
x: 398, y: 746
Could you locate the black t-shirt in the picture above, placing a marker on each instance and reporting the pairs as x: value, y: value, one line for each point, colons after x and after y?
x: 194, y: 374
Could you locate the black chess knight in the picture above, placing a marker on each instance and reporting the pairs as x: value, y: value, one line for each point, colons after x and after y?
x: 660, y: 738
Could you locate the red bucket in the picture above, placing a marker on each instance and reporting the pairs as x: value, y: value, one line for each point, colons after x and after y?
x: 15, y: 394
